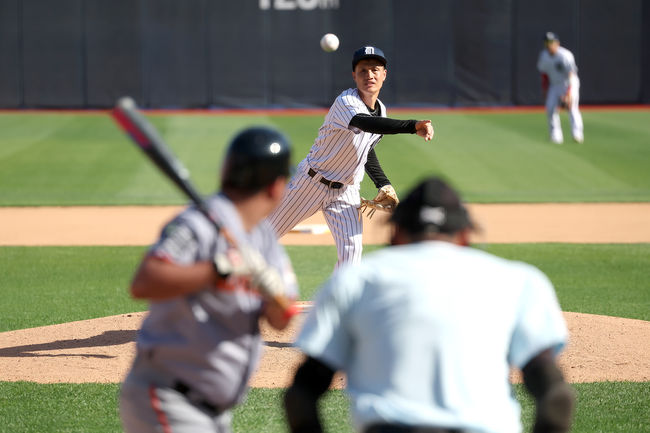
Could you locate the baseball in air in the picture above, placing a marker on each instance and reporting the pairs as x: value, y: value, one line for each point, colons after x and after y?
x: 329, y: 42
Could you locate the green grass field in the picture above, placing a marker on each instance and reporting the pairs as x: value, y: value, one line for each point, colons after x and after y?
x: 71, y: 159
x: 39, y: 282
x: 82, y: 159
x: 611, y: 407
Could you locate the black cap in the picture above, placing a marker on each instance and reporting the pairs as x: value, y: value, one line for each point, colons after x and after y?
x: 255, y: 158
x: 550, y: 37
x: 434, y: 207
x: 368, y: 52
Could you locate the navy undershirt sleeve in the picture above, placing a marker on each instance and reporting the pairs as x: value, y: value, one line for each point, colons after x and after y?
x: 374, y: 170
x: 383, y: 125
x: 376, y: 124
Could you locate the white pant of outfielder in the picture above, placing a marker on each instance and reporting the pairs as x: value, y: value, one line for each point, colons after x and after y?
x: 553, y: 96
x: 305, y: 196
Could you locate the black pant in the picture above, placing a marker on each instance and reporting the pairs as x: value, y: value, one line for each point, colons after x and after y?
x: 394, y: 428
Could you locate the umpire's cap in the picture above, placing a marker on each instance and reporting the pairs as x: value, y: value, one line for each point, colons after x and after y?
x: 433, y: 207
x: 368, y: 52
x: 255, y: 158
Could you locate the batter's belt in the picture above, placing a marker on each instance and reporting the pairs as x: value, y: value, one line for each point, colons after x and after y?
x: 332, y: 184
x: 184, y: 389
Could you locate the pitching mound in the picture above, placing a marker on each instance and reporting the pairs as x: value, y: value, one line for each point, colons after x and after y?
x: 100, y: 350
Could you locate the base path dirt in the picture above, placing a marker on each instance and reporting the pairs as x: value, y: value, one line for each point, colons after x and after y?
x: 100, y: 350
x: 134, y: 225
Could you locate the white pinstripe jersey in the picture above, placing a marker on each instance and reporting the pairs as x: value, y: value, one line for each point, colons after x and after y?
x: 339, y: 153
x: 557, y: 67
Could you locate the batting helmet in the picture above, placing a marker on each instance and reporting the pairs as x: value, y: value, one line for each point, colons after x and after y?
x: 255, y: 158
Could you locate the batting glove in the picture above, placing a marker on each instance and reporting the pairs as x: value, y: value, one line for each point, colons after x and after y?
x: 246, y: 261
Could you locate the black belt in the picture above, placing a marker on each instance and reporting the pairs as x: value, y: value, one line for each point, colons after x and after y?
x: 330, y: 183
x: 195, y: 399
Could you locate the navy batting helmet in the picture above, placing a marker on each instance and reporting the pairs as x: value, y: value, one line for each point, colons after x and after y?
x: 255, y: 158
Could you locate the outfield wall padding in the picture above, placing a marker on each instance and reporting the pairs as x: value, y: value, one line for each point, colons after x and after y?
x: 265, y: 53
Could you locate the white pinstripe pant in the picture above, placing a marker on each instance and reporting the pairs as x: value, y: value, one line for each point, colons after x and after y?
x: 553, y: 115
x: 305, y: 196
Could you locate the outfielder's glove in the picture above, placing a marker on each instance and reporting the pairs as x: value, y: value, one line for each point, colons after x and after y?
x: 246, y: 261
x: 565, y: 101
x: 386, y: 200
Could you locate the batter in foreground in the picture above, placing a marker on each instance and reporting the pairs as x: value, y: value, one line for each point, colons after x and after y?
x: 329, y: 178
x: 200, y: 342
x: 427, y: 329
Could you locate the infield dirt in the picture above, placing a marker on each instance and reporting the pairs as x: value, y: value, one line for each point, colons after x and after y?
x: 100, y: 350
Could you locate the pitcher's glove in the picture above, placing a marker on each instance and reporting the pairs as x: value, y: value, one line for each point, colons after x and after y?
x: 386, y: 200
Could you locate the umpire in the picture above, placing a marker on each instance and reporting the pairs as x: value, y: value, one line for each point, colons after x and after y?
x: 426, y: 331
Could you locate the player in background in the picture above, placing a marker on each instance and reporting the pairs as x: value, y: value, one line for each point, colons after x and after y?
x: 201, y: 342
x: 561, y: 87
x: 329, y: 178
x: 427, y: 329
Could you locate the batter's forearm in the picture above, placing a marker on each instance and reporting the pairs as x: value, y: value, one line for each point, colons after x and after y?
x: 157, y: 279
x: 383, y: 125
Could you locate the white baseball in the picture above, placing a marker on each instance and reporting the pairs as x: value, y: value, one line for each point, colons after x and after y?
x: 126, y: 102
x: 329, y: 42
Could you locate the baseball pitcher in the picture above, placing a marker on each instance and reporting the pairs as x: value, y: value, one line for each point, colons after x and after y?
x: 329, y: 178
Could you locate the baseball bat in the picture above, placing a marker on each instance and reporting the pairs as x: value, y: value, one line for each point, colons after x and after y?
x: 146, y: 137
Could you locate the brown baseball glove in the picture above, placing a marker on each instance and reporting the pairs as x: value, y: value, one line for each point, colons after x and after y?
x: 386, y: 200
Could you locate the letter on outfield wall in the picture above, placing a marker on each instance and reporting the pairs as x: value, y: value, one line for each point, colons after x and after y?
x: 305, y: 5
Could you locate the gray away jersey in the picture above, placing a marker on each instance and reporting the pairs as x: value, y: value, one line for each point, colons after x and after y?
x: 210, y: 340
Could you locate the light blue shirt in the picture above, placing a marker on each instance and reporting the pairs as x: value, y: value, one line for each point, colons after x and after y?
x: 426, y: 334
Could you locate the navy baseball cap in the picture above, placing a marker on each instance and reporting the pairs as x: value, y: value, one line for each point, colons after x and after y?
x: 432, y: 207
x: 550, y: 37
x: 368, y: 52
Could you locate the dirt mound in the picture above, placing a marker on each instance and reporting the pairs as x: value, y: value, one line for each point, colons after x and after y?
x: 100, y: 350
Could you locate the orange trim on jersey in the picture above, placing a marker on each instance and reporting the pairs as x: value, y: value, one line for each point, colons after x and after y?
x: 162, y: 257
x: 155, y: 405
